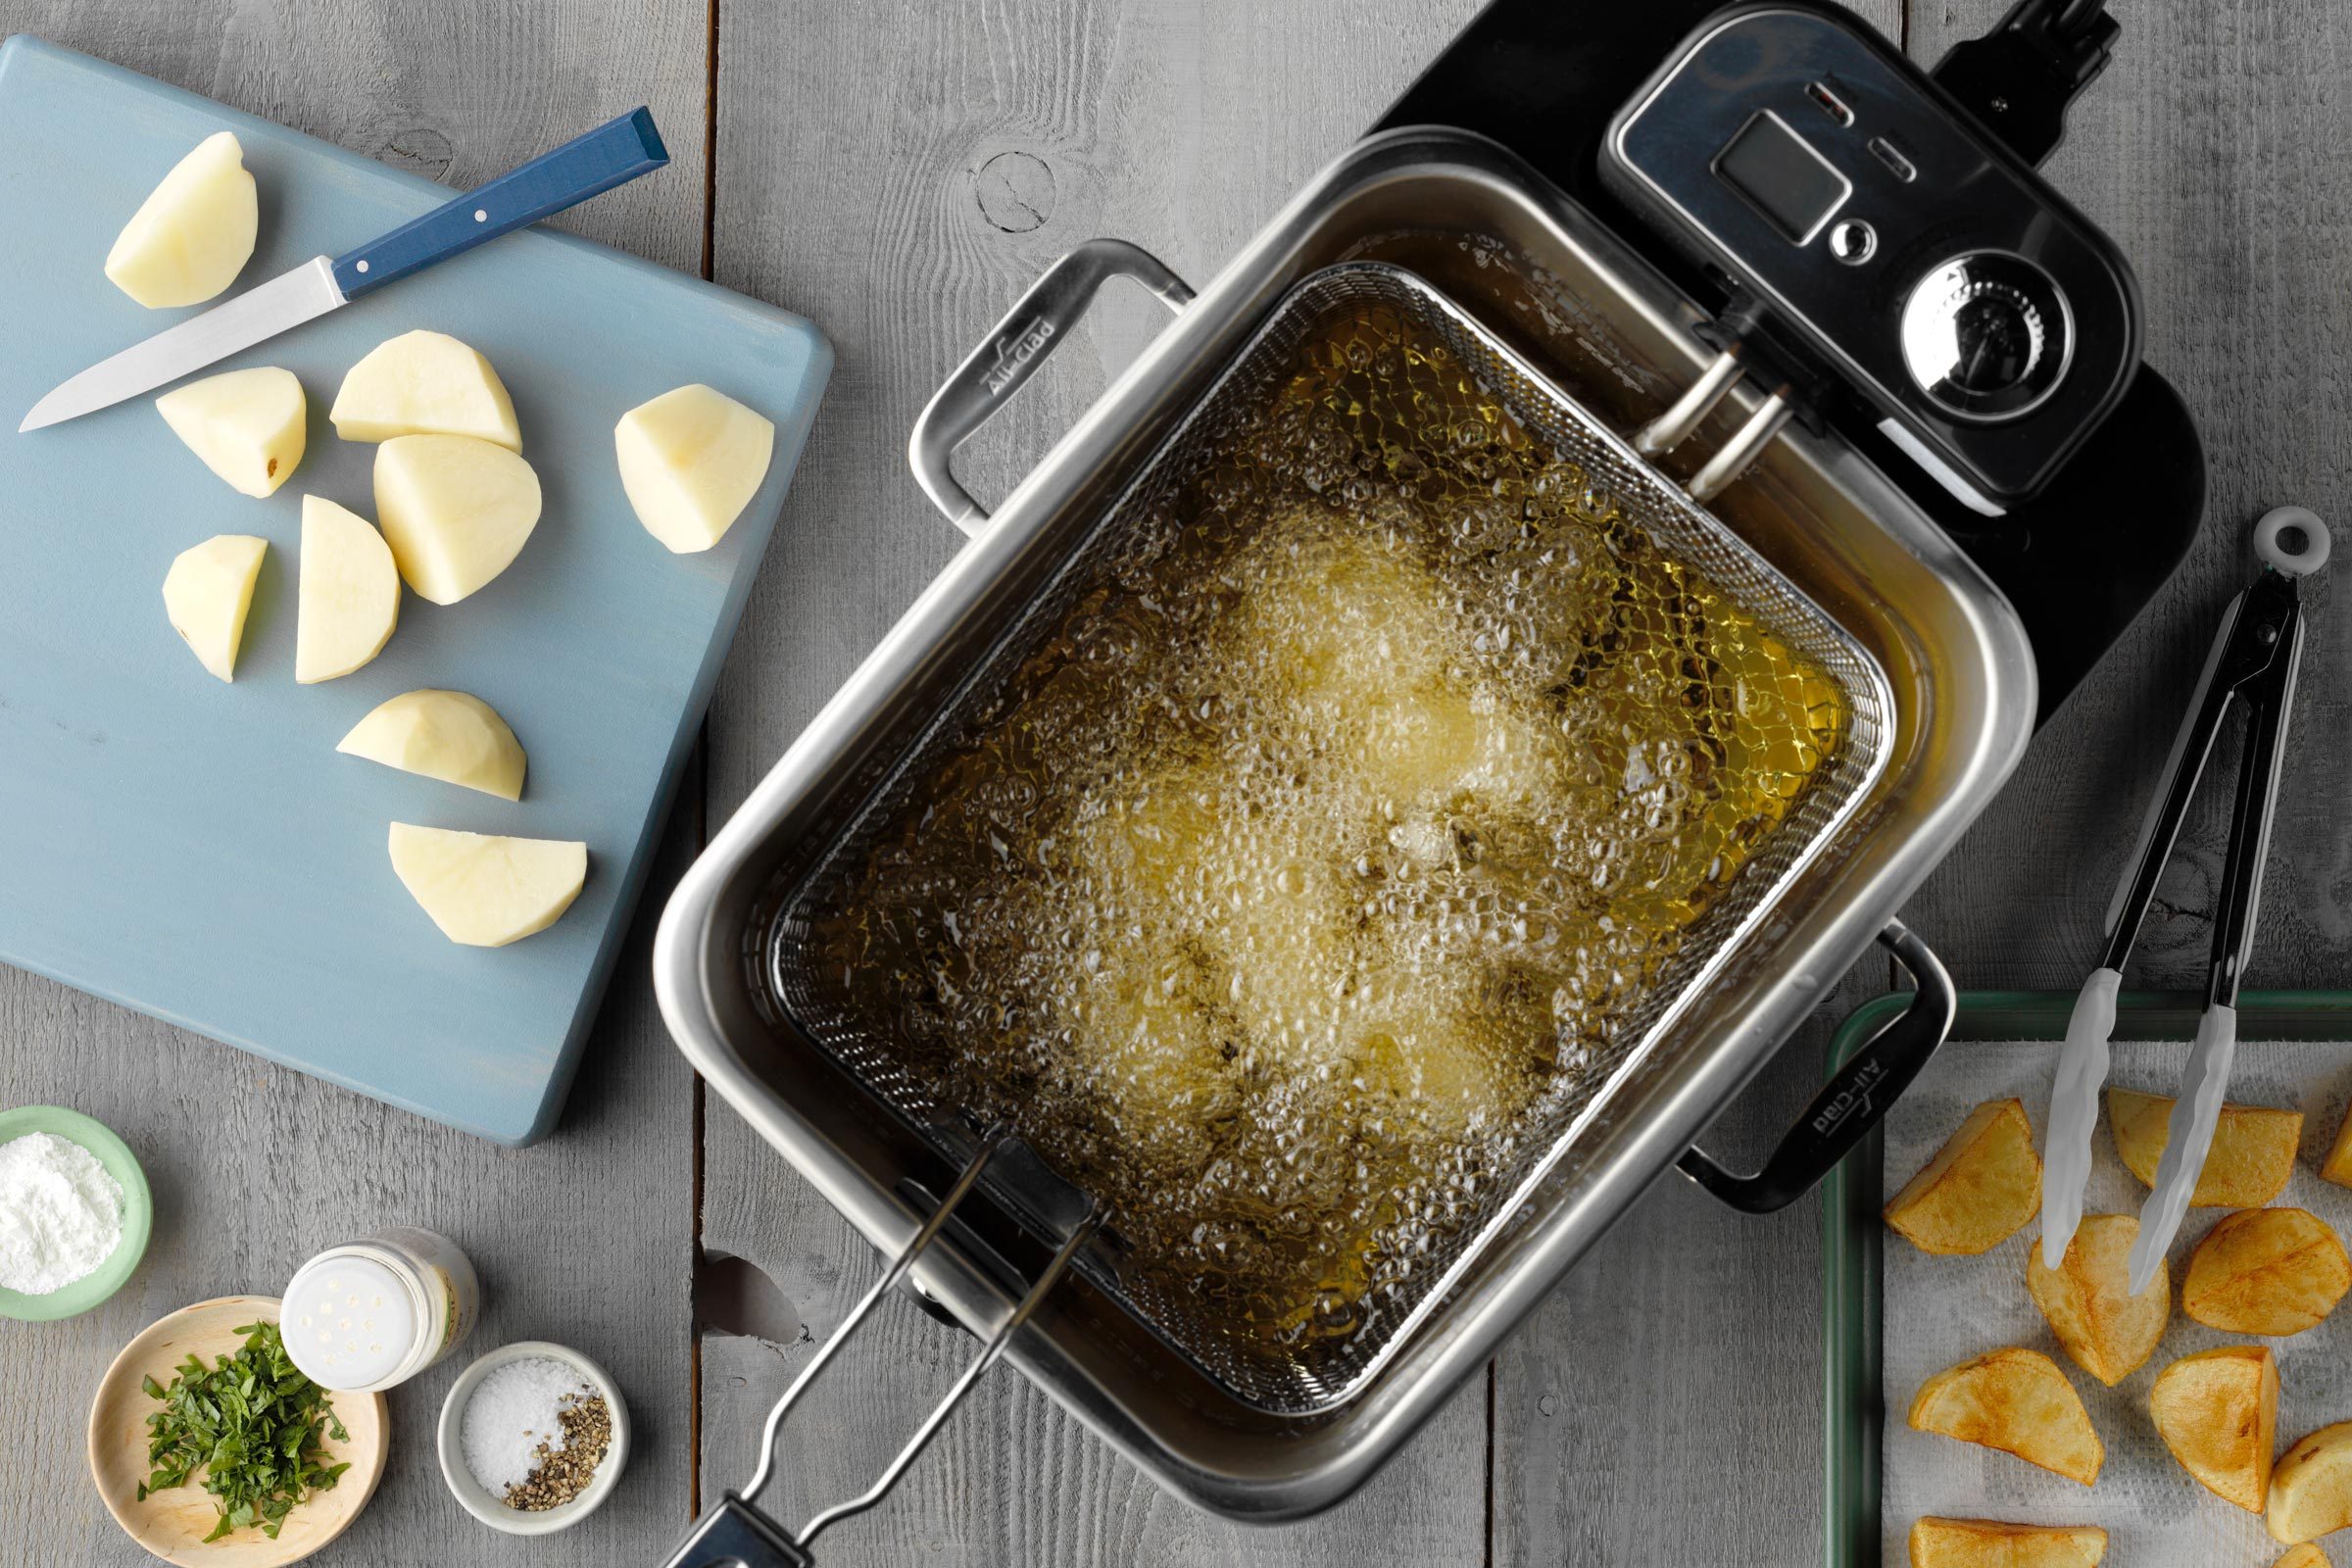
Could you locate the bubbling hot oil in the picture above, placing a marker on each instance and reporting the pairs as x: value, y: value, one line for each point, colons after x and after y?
x: 1327, y: 841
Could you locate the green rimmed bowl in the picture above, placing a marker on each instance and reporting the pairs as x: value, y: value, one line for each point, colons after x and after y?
x: 138, y: 1212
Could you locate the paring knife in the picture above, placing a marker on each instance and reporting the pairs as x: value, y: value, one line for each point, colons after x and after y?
x: 587, y: 166
x: 2254, y: 661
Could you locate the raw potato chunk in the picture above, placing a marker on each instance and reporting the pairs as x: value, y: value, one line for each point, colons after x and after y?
x: 1982, y: 1184
x: 424, y: 383
x: 2088, y: 1301
x: 485, y: 890
x: 249, y: 426
x: 455, y: 510
x: 1990, y: 1543
x: 193, y: 233
x: 208, y: 591
x: 2266, y: 1271
x: 2217, y: 1411
x: 350, y: 593
x: 2019, y: 1402
x: 2337, y: 1166
x: 444, y: 735
x: 2306, y: 1556
x: 2253, y: 1149
x: 691, y: 460
x: 2311, y: 1488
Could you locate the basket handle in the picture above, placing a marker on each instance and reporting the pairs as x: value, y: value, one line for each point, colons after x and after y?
x: 1854, y: 1099
x: 1010, y: 354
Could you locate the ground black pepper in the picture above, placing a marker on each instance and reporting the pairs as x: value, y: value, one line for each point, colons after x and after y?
x: 565, y: 1474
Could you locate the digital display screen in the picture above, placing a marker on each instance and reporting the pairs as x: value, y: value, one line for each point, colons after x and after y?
x: 1783, y: 177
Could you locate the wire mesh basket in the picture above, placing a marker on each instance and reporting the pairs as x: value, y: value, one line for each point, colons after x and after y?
x: 1320, y: 1372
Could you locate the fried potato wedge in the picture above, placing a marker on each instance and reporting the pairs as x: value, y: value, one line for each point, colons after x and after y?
x: 2337, y: 1166
x: 1990, y: 1543
x: 2306, y: 1556
x: 2217, y: 1411
x: 2253, y: 1149
x: 1982, y: 1184
x: 2019, y: 1402
x: 2088, y: 1301
x: 2266, y: 1271
x: 2311, y: 1487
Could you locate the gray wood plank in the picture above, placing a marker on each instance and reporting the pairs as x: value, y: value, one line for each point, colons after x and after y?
x: 901, y: 173
x: 586, y: 1239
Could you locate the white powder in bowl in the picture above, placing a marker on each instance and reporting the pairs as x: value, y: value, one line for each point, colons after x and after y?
x: 513, y: 1419
x: 61, y: 1214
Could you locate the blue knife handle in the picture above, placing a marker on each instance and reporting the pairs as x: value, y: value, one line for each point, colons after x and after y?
x: 586, y: 165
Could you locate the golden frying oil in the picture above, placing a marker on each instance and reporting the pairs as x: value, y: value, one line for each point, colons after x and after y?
x: 1328, y: 841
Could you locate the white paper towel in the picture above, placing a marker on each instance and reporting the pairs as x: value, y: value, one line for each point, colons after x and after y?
x: 1942, y: 1310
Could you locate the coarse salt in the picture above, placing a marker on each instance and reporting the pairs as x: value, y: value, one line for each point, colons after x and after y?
x: 61, y: 1214
x: 513, y: 1419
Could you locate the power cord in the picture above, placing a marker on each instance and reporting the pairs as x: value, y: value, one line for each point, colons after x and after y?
x: 2019, y: 78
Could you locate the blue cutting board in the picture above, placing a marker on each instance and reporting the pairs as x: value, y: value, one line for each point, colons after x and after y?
x: 200, y: 851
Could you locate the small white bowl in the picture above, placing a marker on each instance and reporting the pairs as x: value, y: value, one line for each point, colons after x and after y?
x: 476, y: 1499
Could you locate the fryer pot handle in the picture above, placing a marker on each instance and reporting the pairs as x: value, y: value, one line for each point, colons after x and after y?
x: 1004, y: 363
x: 1853, y: 1101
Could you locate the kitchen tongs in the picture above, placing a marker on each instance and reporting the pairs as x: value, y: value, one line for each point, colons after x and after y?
x: 2253, y: 662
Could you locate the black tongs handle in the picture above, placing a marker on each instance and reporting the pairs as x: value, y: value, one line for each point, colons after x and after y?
x: 2254, y: 661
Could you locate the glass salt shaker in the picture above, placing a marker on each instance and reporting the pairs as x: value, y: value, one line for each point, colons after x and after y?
x: 366, y: 1316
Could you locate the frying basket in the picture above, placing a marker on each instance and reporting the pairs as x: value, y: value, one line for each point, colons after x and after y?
x: 1321, y: 1374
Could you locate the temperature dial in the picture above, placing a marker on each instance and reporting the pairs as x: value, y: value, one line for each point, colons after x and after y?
x: 1985, y: 336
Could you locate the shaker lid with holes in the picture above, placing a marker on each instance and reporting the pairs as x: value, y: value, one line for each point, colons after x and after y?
x: 348, y: 1320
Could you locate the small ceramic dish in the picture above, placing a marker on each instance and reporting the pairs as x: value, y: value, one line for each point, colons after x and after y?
x: 138, y: 1212
x: 476, y: 1499
x: 172, y: 1524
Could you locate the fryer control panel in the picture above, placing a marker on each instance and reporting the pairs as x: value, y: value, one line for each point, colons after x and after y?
x: 1906, y: 250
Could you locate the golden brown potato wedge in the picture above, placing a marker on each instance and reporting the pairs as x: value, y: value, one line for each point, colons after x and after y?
x: 2337, y: 1166
x: 2019, y: 1402
x: 2088, y: 1301
x: 1982, y: 1184
x: 1990, y: 1543
x: 2266, y: 1271
x: 2217, y: 1411
x: 2306, y: 1556
x: 2311, y: 1487
x: 2253, y: 1149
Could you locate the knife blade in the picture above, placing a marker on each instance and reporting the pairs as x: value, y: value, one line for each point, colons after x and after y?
x: 590, y: 165
x: 259, y: 313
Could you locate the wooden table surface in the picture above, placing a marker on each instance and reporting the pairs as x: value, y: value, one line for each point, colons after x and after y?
x: 899, y: 170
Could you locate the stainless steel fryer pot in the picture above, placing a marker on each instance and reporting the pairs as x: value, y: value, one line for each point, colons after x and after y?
x: 988, y: 1246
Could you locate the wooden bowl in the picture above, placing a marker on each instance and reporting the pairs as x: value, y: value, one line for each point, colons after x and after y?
x: 172, y: 1524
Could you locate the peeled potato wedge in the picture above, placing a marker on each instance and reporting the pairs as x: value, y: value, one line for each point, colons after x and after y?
x: 2217, y: 1411
x: 249, y: 426
x: 1982, y: 1184
x: 2253, y: 1149
x: 349, y: 595
x: 456, y: 511
x: 193, y: 233
x: 424, y: 383
x: 485, y: 890
x: 691, y: 459
x: 444, y: 735
x: 2087, y: 1299
x: 2337, y: 1166
x: 207, y: 593
x: 2306, y: 1556
x: 2310, y: 1486
x: 1990, y: 1543
x: 2019, y: 1402
x: 2270, y: 1271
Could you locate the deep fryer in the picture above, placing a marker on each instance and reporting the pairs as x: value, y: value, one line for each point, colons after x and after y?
x: 1484, y: 188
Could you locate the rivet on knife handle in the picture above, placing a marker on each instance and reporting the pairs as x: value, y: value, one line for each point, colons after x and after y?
x: 2188, y: 1139
x: 586, y: 165
x: 2075, y: 1113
